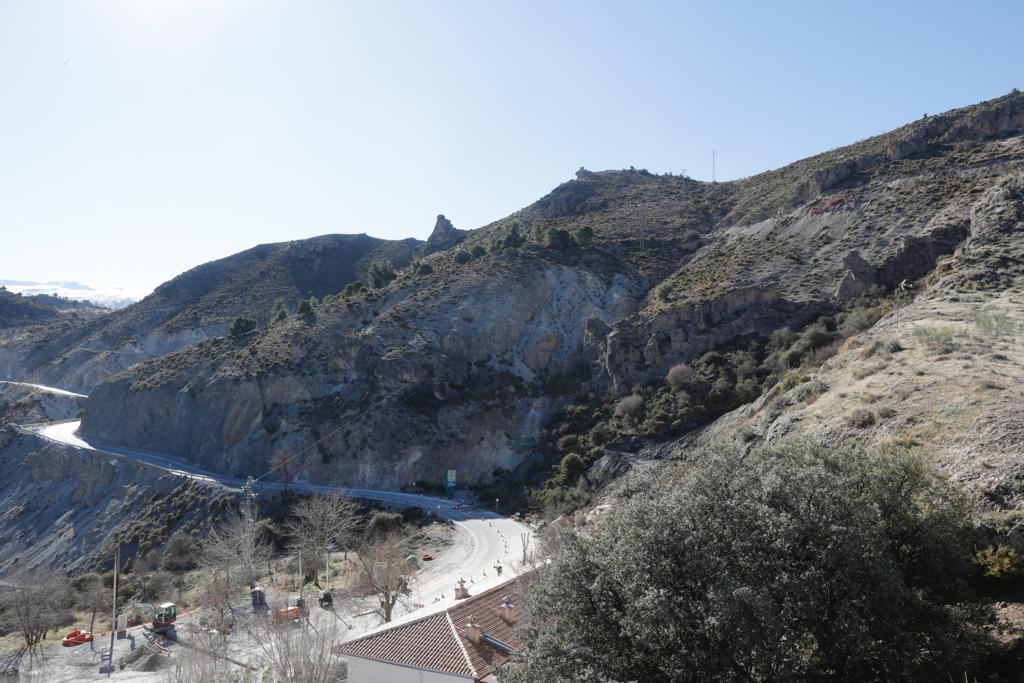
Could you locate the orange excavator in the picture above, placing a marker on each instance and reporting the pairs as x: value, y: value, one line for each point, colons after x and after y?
x: 294, y: 611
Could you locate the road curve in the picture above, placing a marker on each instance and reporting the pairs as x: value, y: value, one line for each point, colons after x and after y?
x: 43, y: 388
x: 495, y: 540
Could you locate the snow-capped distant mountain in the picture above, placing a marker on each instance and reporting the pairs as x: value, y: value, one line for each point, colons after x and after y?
x: 107, y: 297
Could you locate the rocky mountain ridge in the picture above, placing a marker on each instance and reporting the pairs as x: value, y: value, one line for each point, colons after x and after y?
x: 597, y: 288
x: 196, y: 305
x: 17, y: 310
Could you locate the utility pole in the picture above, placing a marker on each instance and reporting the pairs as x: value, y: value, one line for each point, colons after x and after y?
x: 249, y: 494
x: 113, y: 616
x: 714, y: 154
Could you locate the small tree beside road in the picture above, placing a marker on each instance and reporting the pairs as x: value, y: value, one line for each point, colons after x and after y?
x: 323, y: 523
x: 92, y: 596
x: 236, y: 549
x: 384, y: 573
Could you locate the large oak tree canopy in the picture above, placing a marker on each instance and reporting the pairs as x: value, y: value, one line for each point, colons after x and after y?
x: 803, y: 562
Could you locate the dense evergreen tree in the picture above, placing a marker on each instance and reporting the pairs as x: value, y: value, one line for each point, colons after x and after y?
x: 801, y: 563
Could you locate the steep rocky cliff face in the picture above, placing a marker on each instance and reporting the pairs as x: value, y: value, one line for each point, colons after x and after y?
x: 459, y: 368
x: 596, y: 288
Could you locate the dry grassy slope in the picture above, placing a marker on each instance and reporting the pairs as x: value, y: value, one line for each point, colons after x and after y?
x: 463, y: 366
x: 944, y: 372
x: 199, y: 304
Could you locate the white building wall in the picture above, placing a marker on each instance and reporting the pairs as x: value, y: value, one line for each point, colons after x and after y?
x: 370, y: 671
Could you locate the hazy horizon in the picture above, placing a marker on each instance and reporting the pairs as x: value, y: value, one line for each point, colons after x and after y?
x: 144, y: 138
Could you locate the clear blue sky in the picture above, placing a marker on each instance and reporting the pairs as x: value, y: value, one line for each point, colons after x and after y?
x: 141, y: 137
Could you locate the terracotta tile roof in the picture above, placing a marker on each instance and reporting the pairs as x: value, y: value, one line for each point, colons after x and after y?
x: 439, y: 642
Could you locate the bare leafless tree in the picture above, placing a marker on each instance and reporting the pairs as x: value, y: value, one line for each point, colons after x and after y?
x: 34, y: 599
x: 237, y: 545
x: 323, y: 523
x: 94, y: 597
x: 142, y: 569
x: 302, y: 652
x: 206, y: 660
x: 218, y: 593
x: 385, y: 573
x: 179, y: 556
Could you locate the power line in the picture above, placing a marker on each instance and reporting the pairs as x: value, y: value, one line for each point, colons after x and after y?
x: 287, y: 461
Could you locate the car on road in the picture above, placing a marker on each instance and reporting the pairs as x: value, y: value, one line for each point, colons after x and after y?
x: 427, y: 557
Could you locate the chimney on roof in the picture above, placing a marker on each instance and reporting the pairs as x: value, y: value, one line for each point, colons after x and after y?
x: 461, y: 592
x: 508, y: 611
x: 473, y: 631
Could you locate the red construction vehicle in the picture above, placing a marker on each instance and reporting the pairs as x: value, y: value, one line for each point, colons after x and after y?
x: 77, y: 637
x: 294, y: 611
x: 163, y: 618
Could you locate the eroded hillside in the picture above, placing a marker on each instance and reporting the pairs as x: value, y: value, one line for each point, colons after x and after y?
x: 196, y: 305
x: 943, y: 371
x: 468, y: 359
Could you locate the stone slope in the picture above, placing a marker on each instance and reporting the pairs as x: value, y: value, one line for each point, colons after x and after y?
x: 877, y: 213
x: 945, y: 371
x: 463, y: 367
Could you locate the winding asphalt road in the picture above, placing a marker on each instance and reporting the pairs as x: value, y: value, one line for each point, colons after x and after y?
x: 43, y: 388
x: 489, y: 539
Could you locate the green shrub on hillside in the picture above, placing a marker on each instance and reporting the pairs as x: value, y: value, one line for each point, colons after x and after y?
x: 352, y: 289
x: 419, y: 269
x: 381, y: 274
x: 1000, y: 562
x: 241, y: 326
x: 584, y: 236
x: 513, y: 238
x: 860, y: 418
x: 477, y: 251
x: 279, y: 313
x: 462, y: 256
x: 568, y: 470
x: 558, y: 238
